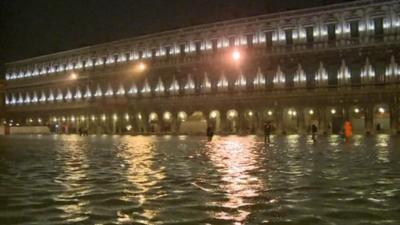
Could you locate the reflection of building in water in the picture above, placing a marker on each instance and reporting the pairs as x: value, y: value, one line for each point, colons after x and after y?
x: 73, y: 174
x: 143, y: 175
x: 235, y: 162
x: 294, y: 68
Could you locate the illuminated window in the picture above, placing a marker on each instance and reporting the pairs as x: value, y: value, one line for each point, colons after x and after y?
x: 279, y: 78
x: 109, y: 92
x: 190, y: 86
x: 174, y: 88
x: 241, y: 82
x: 259, y: 80
x: 146, y: 88
x: 222, y: 83
x: 299, y: 77
x: 159, y: 87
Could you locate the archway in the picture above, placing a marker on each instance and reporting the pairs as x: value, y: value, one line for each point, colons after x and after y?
x: 167, y: 122
x: 249, y: 125
x: 290, y: 120
x: 140, y: 123
x: 232, y: 121
x: 182, y: 117
x: 196, y: 123
x: 357, y: 118
x: 336, y: 119
x: 311, y: 118
x: 381, y: 119
x: 269, y: 115
x: 153, y: 123
x: 214, y: 120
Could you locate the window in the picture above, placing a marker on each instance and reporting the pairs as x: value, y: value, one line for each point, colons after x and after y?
x: 331, y: 32
x: 378, y: 23
x: 310, y: 34
x: 289, y: 37
x: 354, y: 29
x: 269, y: 39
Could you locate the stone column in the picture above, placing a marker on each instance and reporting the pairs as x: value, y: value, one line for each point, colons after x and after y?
x: 259, y: 120
x: 323, y: 120
x: 369, y: 119
x: 279, y: 120
x: 394, y: 119
x: 241, y: 122
x: 223, y: 121
x: 300, y: 121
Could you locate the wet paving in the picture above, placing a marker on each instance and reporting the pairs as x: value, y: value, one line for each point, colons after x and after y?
x: 68, y: 179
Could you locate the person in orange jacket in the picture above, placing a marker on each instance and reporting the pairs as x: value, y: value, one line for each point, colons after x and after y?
x: 348, y: 129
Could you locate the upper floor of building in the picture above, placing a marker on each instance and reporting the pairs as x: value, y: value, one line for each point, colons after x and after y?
x: 345, y: 25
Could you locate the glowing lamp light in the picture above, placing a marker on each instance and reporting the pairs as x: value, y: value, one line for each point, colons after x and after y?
x: 153, y: 116
x: 82, y: 118
x: 93, y: 118
x: 129, y: 127
x: 250, y: 113
x: 39, y: 120
x: 311, y: 112
x: 54, y: 119
x: 269, y: 113
x: 72, y: 118
x: 213, y: 114
x: 103, y: 117
x: 333, y: 111
x: 115, y: 117
x: 139, y: 116
x: 381, y: 110
x: 356, y: 110
x: 167, y: 116
x: 182, y: 115
x: 73, y: 76
x: 236, y: 55
x: 126, y: 116
x: 141, y: 67
x: 232, y: 114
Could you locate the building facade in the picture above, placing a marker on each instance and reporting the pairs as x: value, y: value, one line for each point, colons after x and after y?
x: 319, y: 66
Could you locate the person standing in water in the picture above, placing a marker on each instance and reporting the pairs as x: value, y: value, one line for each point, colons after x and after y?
x: 267, y: 132
x: 348, y: 130
x: 210, y: 133
x: 314, y: 130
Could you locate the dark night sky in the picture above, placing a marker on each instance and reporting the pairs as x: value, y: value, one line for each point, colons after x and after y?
x: 35, y: 27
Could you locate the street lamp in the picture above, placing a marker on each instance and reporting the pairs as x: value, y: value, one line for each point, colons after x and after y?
x: 73, y: 76
x: 140, y: 67
x: 236, y: 55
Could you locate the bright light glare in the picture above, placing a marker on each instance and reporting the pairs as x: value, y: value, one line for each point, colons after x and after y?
x: 141, y: 67
x: 73, y: 76
x: 236, y: 55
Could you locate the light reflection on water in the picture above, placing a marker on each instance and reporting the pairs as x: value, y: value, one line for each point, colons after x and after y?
x: 188, y: 180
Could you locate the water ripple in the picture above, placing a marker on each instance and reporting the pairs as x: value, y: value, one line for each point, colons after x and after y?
x: 188, y: 180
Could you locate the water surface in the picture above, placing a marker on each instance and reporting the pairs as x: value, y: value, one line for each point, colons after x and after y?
x: 69, y: 179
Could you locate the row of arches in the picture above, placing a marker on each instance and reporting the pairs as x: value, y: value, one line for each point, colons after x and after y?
x: 258, y: 80
x: 286, y: 120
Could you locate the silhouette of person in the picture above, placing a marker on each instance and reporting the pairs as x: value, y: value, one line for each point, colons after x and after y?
x: 314, y: 130
x: 210, y: 133
x: 267, y: 131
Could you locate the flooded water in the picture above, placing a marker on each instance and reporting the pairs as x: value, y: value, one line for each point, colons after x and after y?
x: 187, y: 180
